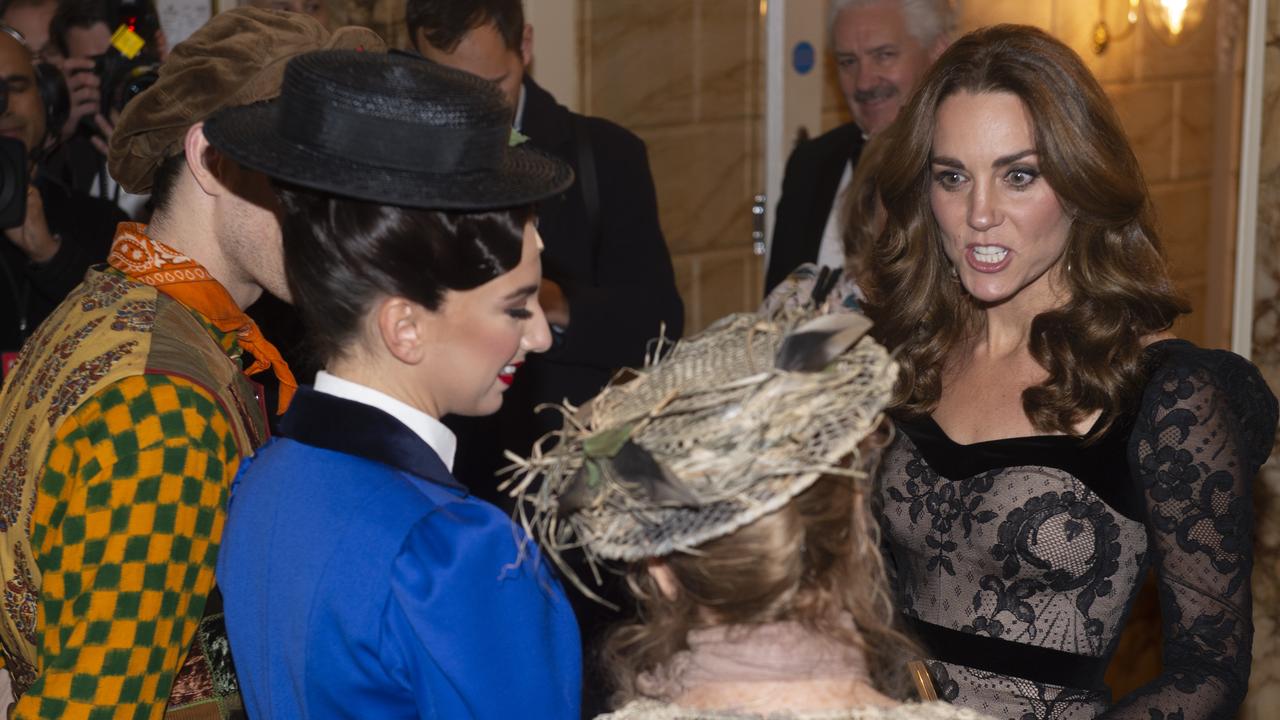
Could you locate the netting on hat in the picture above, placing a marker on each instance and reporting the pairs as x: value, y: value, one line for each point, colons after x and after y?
x: 741, y: 437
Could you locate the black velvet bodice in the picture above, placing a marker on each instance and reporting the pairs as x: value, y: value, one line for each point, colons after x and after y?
x: 1016, y: 561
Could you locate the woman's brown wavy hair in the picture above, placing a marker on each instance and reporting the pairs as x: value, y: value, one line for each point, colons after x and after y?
x: 1114, y: 269
x: 861, y: 209
x: 815, y: 561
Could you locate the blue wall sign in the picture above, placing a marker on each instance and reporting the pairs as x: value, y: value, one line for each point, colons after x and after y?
x: 802, y: 57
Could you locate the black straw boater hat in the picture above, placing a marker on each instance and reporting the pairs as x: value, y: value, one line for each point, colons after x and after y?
x: 396, y: 129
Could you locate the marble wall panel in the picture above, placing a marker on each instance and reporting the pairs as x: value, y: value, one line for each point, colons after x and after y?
x: 1183, y: 222
x: 992, y: 12
x: 385, y: 17
x: 1192, y: 326
x: 1073, y: 23
x: 1269, y: 159
x: 716, y: 283
x: 687, y: 76
x: 725, y: 285
x: 755, y: 154
x: 755, y: 277
x: 641, y: 61
x: 1195, y: 56
x: 1193, y: 128
x: 1182, y: 219
x: 1182, y: 216
x: 1146, y: 111
x: 703, y: 174
x: 728, y: 60
x: 686, y: 268
x: 1264, y: 682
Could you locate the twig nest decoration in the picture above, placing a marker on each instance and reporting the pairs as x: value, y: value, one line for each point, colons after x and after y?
x: 729, y: 426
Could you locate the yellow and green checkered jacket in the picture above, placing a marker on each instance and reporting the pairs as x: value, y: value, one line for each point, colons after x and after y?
x: 128, y: 508
x: 128, y: 516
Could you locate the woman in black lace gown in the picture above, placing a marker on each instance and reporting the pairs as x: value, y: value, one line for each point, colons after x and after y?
x: 1054, y: 440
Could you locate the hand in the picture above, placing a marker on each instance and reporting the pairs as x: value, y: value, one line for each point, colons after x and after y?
x: 84, y: 87
x: 106, y: 127
x: 554, y: 303
x: 33, y: 236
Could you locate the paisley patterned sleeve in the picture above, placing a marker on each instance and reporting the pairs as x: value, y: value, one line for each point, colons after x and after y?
x: 1206, y: 424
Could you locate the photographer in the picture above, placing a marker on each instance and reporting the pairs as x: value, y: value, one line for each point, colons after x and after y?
x: 81, y: 32
x: 64, y: 232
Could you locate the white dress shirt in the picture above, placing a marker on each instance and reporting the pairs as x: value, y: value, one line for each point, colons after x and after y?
x: 432, y: 431
x: 831, y: 249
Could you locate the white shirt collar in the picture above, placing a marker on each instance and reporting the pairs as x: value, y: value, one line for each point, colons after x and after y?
x: 432, y: 431
x: 520, y: 109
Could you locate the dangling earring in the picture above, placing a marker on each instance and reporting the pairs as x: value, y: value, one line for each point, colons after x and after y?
x: 955, y: 274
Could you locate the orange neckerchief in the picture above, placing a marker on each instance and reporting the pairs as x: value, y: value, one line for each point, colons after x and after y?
x: 152, y: 263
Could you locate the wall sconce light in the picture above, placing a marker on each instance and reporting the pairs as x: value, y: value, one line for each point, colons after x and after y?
x: 1171, y: 20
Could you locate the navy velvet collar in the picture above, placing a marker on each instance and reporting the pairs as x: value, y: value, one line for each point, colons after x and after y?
x: 333, y: 423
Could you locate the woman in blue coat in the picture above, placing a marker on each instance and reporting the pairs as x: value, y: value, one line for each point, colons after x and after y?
x: 360, y: 578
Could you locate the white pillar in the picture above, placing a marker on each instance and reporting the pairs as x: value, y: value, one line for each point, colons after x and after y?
x: 556, y: 26
x: 795, y: 51
x: 1250, y: 142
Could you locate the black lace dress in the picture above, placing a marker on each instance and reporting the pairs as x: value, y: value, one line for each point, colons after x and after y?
x: 1016, y: 561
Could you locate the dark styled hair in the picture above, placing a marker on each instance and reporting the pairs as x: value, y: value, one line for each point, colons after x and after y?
x: 165, y: 180
x: 446, y: 21
x: 1113, y: 269
x: 341, y: 255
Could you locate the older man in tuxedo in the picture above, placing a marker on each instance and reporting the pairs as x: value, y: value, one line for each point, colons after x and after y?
x: 882, y: 48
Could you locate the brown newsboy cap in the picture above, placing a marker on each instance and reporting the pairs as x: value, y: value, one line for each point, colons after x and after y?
x: 237, y: 58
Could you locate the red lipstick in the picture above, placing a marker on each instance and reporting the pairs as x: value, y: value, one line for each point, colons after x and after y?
x: 509, y: 377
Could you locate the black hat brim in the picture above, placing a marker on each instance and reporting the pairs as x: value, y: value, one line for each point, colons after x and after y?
x: 248, y: 135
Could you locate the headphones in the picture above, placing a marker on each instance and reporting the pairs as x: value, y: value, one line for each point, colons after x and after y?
x: 54, y: 95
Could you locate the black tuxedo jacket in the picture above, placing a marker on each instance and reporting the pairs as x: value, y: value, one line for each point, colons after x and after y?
x: 808, y: 192
x: 620, y: 283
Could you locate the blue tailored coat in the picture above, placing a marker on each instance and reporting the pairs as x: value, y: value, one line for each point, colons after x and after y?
x: 362, y: 581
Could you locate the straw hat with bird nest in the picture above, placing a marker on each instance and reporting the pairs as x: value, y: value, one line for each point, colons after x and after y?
x: 729, y: 426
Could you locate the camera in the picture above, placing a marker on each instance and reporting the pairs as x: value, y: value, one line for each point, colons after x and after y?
x: 13, y: 172
x: 130, y: 64
x: 123, y: 78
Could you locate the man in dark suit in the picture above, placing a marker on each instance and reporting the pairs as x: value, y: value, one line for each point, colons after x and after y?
x: 882, y: 48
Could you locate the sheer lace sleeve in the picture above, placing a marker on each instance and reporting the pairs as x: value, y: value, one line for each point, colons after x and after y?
x: 1206, y: 424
